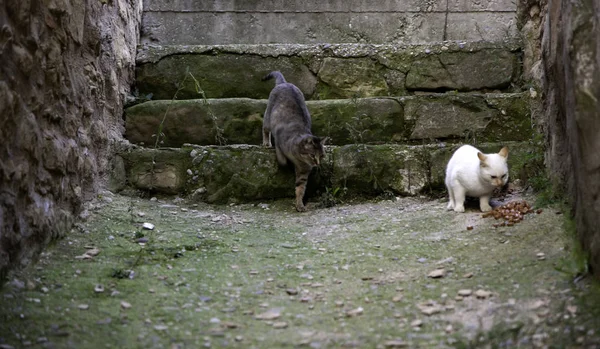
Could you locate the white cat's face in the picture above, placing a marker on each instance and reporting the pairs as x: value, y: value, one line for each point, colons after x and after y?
x: 496, y: 177
x: 493, y: 168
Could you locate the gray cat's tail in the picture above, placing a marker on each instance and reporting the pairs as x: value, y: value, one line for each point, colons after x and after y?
x: 279, y: 79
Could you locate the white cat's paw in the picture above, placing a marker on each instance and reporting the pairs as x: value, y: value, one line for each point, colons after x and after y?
x: 459, y: 209
x: 486, y: 208
x: 450, y: 206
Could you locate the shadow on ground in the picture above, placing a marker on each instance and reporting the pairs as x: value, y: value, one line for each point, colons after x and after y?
x: 264, y: 276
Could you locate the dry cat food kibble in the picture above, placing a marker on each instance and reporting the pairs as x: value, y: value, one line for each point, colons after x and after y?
x: 512, y: 213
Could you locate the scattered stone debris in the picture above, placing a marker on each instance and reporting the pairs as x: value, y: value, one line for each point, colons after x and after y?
x: 396, y: 343
x: 271, y: 314
x: 99, y: 288
x: 83, y: 306
x: 541, y: 256
x: 482, y: 294
x: 465, y: 292
x: 148, y: 226
x: 280, y: 324
x: 416, y: 323
x: 125, y: 305
x: 354, y: 312
x: 430, y: 307
x: 89, y: 254
x: 438, y: 273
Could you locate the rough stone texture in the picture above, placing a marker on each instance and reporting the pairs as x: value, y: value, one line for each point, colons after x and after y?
x: 327, y: 71
x: 491, y: 118
x: 494, y: 68
x: 570, y: 80
x: 489, y: 26
x: 196, y: 121
x: 450, y: 117
x: 244, y: 173
x: 66, y: 67
x: 330, y: 21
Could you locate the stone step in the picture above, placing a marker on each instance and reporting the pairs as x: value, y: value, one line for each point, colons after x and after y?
x: 300, y: 21
x: 327, y: 71
x: 241, y: 173
x: 411, y: 119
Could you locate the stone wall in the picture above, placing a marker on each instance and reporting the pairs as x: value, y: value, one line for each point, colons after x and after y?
x: 566, y: 66
x: 190, y: 22
x: 66, y: 68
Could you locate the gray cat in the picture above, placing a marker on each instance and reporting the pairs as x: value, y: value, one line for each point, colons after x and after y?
x: 287, y: 120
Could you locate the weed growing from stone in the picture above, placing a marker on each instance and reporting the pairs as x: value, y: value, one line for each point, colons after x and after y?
x: 219, y: 137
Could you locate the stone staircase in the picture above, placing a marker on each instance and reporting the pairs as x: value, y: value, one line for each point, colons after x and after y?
x: 394, y: 109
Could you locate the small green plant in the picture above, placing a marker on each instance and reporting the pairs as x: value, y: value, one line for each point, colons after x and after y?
x: 219, y: 137
x: 330, y: 197
x: 360, y: 127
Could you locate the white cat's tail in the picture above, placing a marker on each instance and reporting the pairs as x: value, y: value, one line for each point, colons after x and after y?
x: 279, y: 79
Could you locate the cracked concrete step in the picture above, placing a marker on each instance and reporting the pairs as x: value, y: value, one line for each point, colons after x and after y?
x: 327, y: 71
x: 300, y: 21
x: 221, y: 174
x: 410, y: 119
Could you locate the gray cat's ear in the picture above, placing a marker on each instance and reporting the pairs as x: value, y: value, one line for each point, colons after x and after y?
x: 482, y: 158
x: 308, y: 143
x: 503, y: 152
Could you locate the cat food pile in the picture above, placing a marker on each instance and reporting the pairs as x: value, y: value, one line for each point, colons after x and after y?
x: 512, y: 213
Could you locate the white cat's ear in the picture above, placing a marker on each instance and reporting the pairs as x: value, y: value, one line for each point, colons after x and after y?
x: 504, y: 152
x: 481, y: 156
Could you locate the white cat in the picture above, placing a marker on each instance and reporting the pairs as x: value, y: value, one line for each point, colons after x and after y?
x: 472, y: 173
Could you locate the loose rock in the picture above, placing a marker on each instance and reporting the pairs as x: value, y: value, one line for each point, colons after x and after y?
x: 354, y: 312
x: 280, y: 325
x: 269, y: 315
x: 482, y: 294
x: 438, y: 273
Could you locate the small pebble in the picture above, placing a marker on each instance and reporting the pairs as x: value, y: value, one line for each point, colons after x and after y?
x: 148, y: 226
x: 280, y: 325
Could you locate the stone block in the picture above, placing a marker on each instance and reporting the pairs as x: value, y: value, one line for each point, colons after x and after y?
x: 482, y: 5
x: 220, y: 28
x: 463, y: 71
x: 196, y: 121
x: 222, y: 75
x: 449, y: 117
x: 488, y: 26
x: 489, y: 118
x: 293, y: 6
x: 325, y: 71
x: 246, y: 173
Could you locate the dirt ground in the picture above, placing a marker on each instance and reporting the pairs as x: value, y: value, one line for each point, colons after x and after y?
x: 382, y: 274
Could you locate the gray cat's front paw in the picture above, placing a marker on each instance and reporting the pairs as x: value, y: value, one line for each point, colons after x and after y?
x: 301, y: 208
x: 268, y: 145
